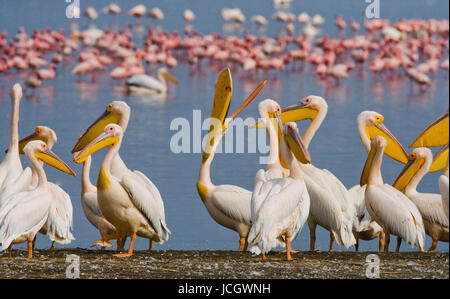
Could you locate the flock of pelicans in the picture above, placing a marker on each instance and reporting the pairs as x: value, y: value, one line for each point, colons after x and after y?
x: 288, y: 193
x: 414, y: 48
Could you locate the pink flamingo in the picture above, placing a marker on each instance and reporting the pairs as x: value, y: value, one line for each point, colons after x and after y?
x: 46, y: 74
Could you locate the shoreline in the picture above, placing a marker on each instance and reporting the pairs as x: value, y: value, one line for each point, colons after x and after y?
x: 215, y: 264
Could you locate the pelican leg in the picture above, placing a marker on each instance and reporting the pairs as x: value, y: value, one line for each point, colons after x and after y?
x: 242, y: 244
x: 288, y: 249
x: 150, y: 244
x: 10, y: 251
x: 130, y: 248
x: 121, y: 243
x: 399, y: 243
x: 53, y: 245
x: 264, y: 258
x: 433, y: 246
x: 357, y: 245
x: 381, y: 242
x: 331, y: 242
x: 386, y: 242
x: 30, y: 249
x: 312, y: 236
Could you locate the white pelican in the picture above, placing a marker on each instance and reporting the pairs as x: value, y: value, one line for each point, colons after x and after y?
x: 386, y: 205
x: 11, y: 167
x: 92, y: 210
x: 228, y: 205
x: 370, y: 124
x: 117, y: 112
x: 443, y: 188
x: 59, y: 222
x: 331, y: 205
x: 437, y: 134
x: 131, y: 203
x: 28, y: 211
x: 280, y: 206
x: 429, y: 204
x: 145, y: 84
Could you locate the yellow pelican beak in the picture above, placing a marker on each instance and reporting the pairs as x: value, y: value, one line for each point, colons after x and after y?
x: 104, y: 139
x: 408, y: 172
x: 436, y: 134
x: 366, y: 170
x: 96, y: 128
x: 53, y: 160
x: 393, y: 148
x: 24, y: 141
x: 170, y: 78
x: 294, y: 142
x: 292, y: 113
x: 440, y: 160
x: 219, y: 122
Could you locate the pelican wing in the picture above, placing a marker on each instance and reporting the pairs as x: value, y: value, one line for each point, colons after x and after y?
x: 25, y: 212
x: 282, y: 196
x: 22, y: 183
x: 91, y: 203
x: 390, y: 207
x: 430, y: 207
x: 146, y: 82
x: 443, y: 188
x: 59, y: 221
x: 147, y: 200
x: 233, y: 201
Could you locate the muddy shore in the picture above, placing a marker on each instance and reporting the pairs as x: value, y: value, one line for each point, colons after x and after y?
x: 97, y: 264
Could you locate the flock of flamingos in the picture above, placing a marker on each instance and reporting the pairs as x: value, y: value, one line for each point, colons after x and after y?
x: 290, y: 192
x: 414, y: 48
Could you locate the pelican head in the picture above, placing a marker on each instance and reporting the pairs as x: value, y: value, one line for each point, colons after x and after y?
x: 116, y: 112
x: 162, y: 72
x: 307, y: 108
x: 294, y: 142
x: 110, y: 136
x: 416, y: 160
x: 370, y: 124
x: 219, y: 122
x: 41, y: 151
x: 42, y: 133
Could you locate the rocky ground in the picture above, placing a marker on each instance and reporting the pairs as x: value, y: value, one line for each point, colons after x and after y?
x: 221, y: 264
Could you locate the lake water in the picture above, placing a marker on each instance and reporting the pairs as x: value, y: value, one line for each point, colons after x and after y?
x: 69, y: 107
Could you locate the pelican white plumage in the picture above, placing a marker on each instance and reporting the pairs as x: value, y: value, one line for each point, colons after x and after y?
x: 280, y: 206
x: 437, y: 134
x: 443, y: 188
x: 228, y: 205
x: 429, y: 204
x: 370, y: 124
x: 117, y: 112
x: 331, y: 205
x: 28, y: 211
x: 11, y: 166
x: 92, y: 210
x: 145, y: 84
x: 58, y: 224
x: 390, y: 208
x: 131, y: 203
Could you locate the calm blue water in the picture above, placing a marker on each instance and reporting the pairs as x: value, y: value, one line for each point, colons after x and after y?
x: 69, y: 107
